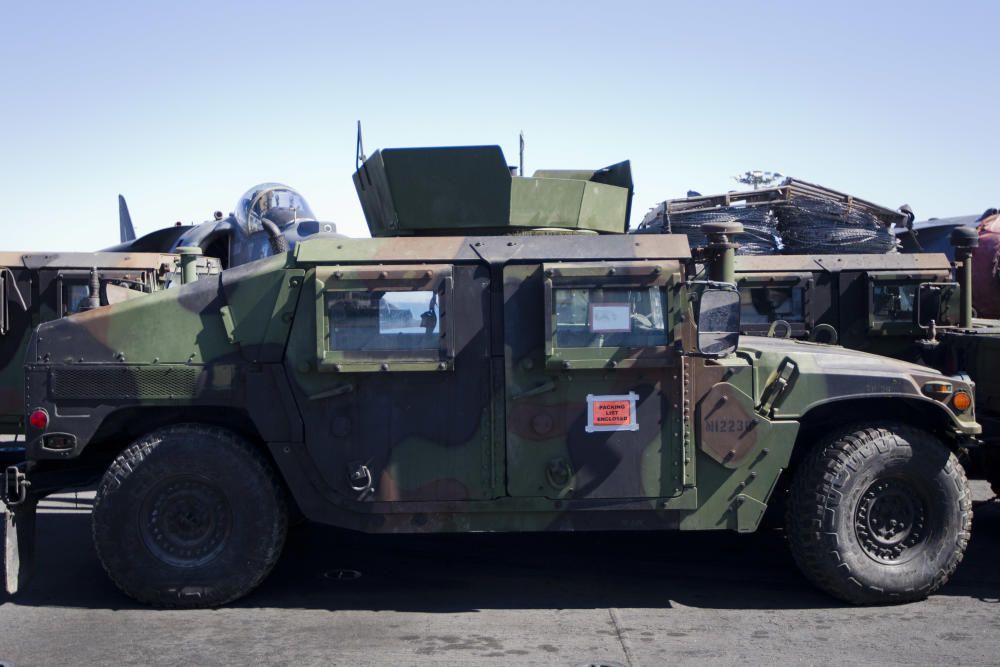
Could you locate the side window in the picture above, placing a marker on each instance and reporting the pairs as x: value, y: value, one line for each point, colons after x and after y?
x: 608, y: 316
x: 383, y: 321
x: 384, y: 318
x: 763, y: 305
x: 939, y: 303
x: 767, y: 299
x: 893, y: 303
x: 72, y: 287
x: 74, y: 297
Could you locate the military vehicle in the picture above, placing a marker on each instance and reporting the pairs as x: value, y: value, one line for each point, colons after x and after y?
x: 480, y: 365
x: 903, y: 305
x: 38, y: 287
x: 907, y: 306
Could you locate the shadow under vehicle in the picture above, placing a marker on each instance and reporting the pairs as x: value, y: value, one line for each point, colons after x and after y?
x: 500, y: 357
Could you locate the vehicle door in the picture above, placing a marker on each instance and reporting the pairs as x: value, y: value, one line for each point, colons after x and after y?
x: 592, y: 379
x: 15, y: 329
x: 393, y: 375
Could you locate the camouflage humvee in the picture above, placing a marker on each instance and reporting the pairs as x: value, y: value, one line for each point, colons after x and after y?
x: 38, y: 287
x: 907, y: 306
x: 474, y: 381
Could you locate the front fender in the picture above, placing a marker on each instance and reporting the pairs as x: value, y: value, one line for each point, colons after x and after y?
x: 795, y: 378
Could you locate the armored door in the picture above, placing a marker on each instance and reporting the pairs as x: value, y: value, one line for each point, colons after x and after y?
x: 393, y: 375
x: 593, y: 388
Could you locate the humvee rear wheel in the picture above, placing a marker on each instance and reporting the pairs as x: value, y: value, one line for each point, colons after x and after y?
x: 189, y: 516
x: 879, y: 514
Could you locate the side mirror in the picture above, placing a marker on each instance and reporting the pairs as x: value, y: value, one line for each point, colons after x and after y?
x: 718, y: 320
x: 938, y: 302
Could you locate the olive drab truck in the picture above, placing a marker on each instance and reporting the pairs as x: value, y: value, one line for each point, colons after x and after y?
x: 916, y: 307
x: 499, y: 357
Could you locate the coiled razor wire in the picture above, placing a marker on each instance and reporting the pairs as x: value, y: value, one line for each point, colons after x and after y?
x: 810, y: 226
x: 759, y: 237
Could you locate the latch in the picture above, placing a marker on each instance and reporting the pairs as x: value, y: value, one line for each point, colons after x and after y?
x: 360, y: 479
x: 773, y: 392
x: 15, y: 486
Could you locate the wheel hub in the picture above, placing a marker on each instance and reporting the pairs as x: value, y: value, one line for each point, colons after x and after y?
x: 185, y: 522
x: 890, y: 520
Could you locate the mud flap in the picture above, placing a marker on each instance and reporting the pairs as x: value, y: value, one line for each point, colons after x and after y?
x: 18, y: 544
x: 749, y: 512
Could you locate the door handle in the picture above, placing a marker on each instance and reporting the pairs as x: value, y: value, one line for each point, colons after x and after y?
x: 543, y: 388
x: 339, y: 390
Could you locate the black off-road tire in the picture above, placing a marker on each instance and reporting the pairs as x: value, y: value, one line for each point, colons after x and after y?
x: 845, y: 497
x: 189, y: 516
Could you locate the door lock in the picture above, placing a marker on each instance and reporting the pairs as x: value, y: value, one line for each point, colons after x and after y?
x: 361, y: 479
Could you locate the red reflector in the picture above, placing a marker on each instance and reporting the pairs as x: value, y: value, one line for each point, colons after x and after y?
x: 39, y: 419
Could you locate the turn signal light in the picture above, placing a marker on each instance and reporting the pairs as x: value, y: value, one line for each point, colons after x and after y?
x: 39, y: 419
x: 962, y: 401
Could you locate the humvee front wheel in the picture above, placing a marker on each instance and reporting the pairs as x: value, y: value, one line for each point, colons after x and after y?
x: 879, y: 514
x: 189, y: 516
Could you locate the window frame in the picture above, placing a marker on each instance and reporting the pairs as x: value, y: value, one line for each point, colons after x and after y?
x: 803, y: 281
x: 65, y: 278
x: 664, y: 275
x: 385, y: 278
x: 885, y: 327
x: 955, y: 296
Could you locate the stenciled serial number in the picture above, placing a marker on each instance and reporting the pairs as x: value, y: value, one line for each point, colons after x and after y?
x: 878, y: 388
x: 728, y: 425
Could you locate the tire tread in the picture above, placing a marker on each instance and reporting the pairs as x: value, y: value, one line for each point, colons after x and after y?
x: 131, y: 459
x: 815, y: 550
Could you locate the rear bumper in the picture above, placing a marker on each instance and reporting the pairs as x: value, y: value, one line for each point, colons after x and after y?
x: 11, y: 456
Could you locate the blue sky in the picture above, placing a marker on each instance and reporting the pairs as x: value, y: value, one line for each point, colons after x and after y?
x: 182, y: 106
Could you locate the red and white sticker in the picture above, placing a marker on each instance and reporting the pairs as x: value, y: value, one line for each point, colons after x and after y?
x: 612, y: 413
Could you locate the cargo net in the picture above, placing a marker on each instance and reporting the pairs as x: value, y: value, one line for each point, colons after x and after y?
x: 760, y: 227
x: 810, y: 226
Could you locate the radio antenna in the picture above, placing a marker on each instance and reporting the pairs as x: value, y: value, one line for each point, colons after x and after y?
x: 520, y: 166
x: 359, y: 155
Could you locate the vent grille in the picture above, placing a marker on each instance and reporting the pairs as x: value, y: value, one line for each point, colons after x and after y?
x: 124, y: 382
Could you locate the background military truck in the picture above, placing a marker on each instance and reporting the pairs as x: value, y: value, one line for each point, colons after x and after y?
x: 907, y: 306
x: 822, y: 265
x: 519, y: 382
x: 38, y: 287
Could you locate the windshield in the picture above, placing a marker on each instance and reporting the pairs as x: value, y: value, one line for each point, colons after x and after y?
x: 276, y: 202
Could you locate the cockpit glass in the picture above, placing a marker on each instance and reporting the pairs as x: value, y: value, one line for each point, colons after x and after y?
x: 272, y: 201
